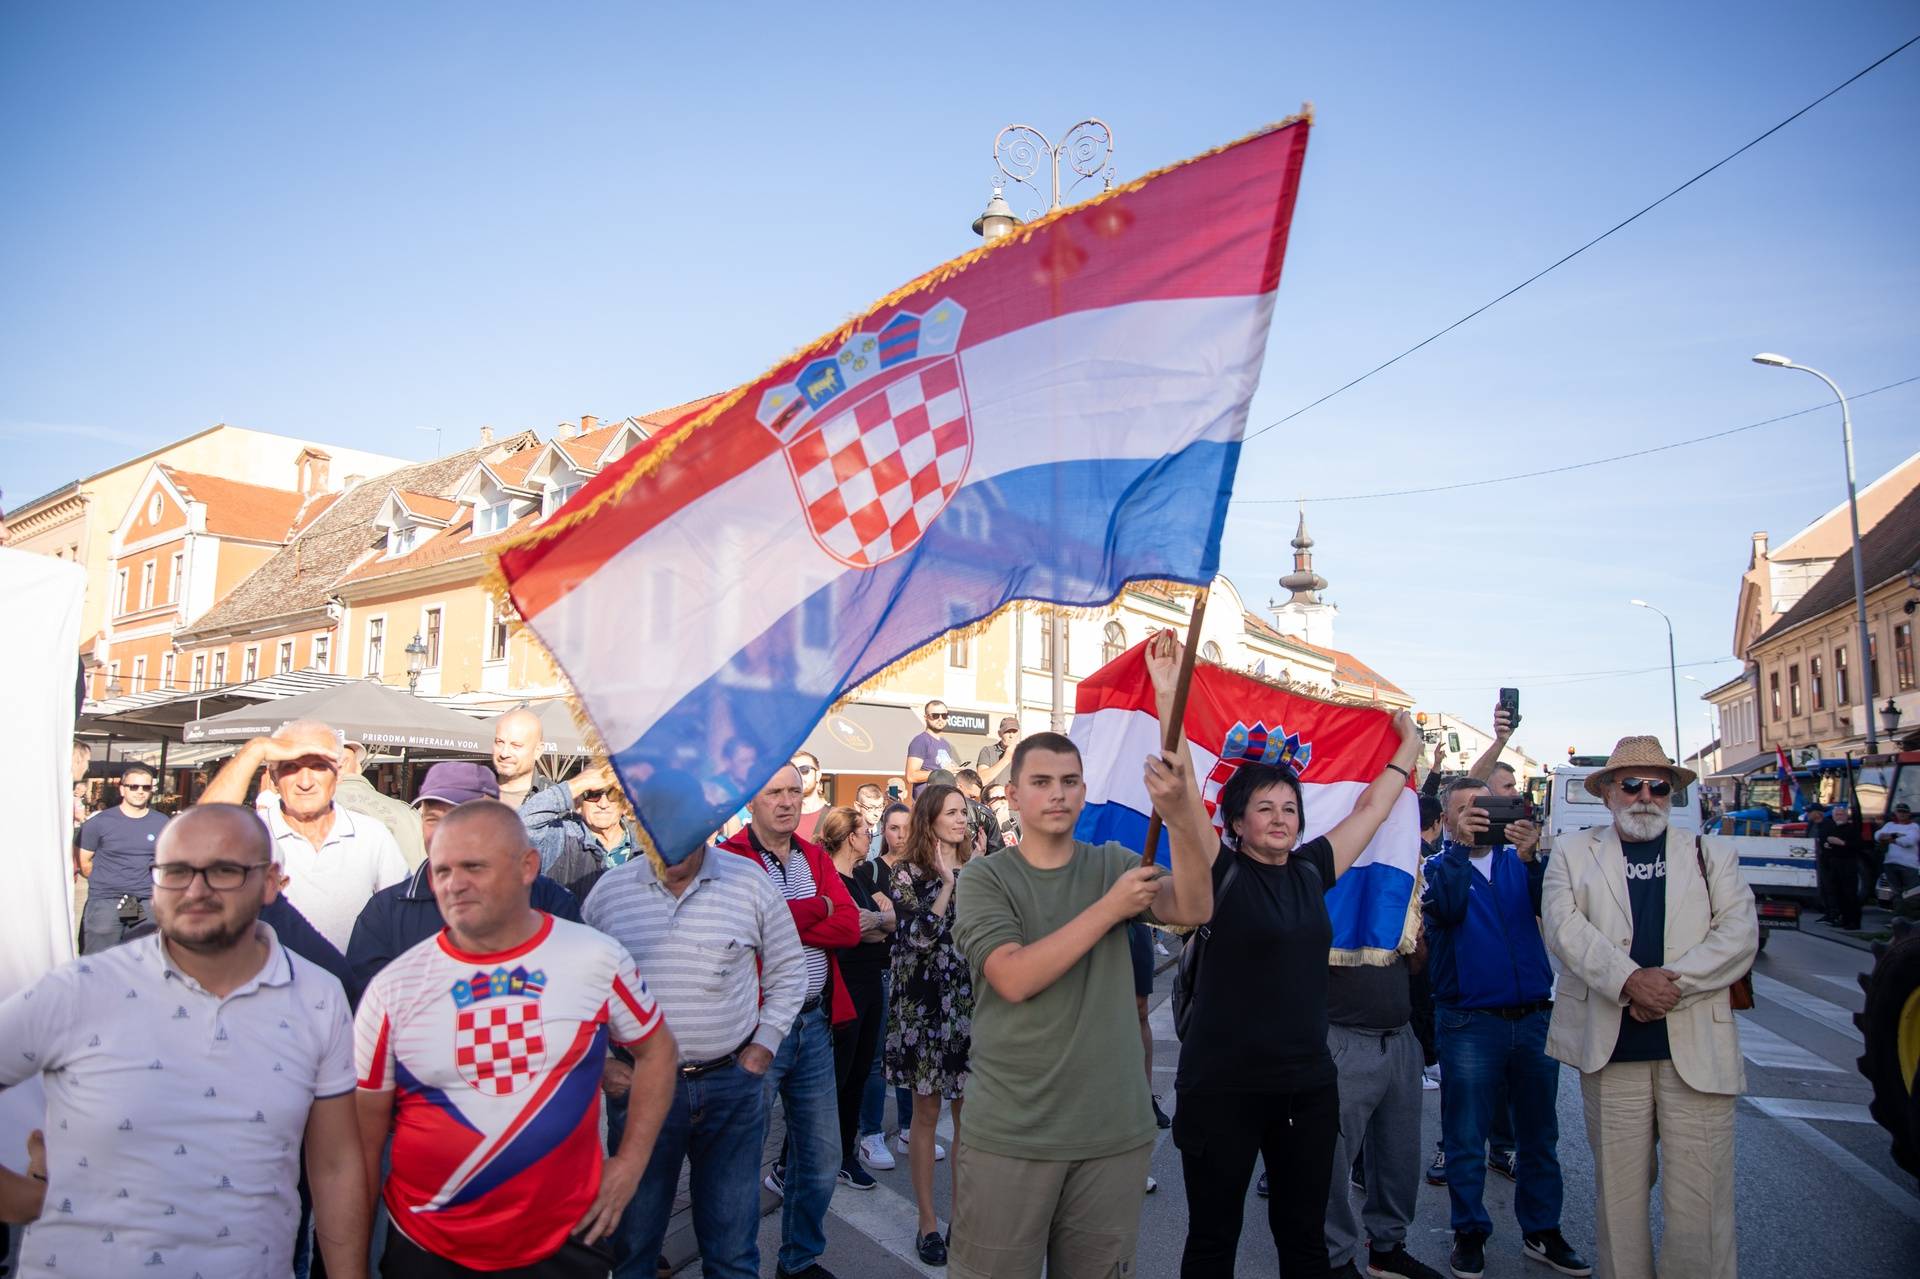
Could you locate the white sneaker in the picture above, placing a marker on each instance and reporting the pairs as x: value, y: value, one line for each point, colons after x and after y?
x: 1428, y: 1083
x: 874, y: 1153
x: 900, y: 1144
x: 1152, y: 1185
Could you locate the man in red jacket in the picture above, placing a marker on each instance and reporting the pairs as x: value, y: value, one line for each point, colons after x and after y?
x: 802, y: 1071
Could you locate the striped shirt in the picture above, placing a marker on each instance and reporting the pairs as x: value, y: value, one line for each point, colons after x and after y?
x: 699, y: 951
x: 795, y: 882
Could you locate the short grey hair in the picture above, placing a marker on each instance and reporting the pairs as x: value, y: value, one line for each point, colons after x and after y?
x: 1460, y: 784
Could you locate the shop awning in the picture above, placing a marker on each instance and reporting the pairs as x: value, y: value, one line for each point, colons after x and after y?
x: 864, y: 738
x: 364, y: 711
x: 1746, y: 767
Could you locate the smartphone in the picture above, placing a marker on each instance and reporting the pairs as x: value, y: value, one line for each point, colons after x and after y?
x: 1510, y: 702
x: 1500, y: 809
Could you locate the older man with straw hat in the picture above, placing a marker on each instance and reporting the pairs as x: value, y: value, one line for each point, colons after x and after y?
x: 1651, y: 929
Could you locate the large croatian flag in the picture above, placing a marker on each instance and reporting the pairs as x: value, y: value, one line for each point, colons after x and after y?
x: 1231, y: 720
x: 1046, y: 418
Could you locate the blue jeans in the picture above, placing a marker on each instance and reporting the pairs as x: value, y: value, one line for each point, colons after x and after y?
x: 873, y: 1102
x: 1478, y: 1053
x: 720, y: 1121
x: 803, y: 1075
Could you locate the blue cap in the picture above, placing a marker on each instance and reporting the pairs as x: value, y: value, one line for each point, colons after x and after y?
x: 458, y: 781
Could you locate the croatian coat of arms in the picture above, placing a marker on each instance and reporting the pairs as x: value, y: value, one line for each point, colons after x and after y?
x: 876, y: 435
x: 1253, y: 745
x: 499, y: 1043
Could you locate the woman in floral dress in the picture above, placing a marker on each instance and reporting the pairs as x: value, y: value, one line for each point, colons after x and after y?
x: 930, y: 1008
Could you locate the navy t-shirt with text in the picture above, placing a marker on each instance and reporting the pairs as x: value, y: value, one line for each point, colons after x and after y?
x: 1647, y: 895
x: 122, y: 849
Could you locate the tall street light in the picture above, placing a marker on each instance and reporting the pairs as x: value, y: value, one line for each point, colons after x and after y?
x: 1771, y: 360
x: 1673, y: 673
x: 1022, y: 152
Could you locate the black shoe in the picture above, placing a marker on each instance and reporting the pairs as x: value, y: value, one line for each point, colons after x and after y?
x: 852, y: 1174
x: 1347, y: 1271
x: 814, y: 1271
x: 1398, y: 1263
x: 1260, y: 1186
x: 1469, y: 1258
x: 1504, y: 1162
x: 1357, y: 1177
x: 1437, y: 1170
x: 776, y: 1179
x: 1551, y: 1247
x: 933, y: 1249
x: 1161, y: 1119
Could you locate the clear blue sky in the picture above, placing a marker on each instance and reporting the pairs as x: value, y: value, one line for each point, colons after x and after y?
x: 347, y: 222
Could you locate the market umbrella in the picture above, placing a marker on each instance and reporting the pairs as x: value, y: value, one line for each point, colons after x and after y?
x: 363, y: 710
x: 559, y: 735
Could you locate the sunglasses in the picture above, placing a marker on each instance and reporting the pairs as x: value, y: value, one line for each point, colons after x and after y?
x: 805, y: 769
x: 1659, y: 790
x: 936, y: 714
x: 595, y: 796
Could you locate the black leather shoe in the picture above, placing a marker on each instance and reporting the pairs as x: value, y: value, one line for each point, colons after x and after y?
x: 933, y: 1249
x: 814, y: 1271
x: 1469, y: 1258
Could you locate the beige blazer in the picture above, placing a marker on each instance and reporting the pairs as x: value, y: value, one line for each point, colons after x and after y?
x: 1588, y: 922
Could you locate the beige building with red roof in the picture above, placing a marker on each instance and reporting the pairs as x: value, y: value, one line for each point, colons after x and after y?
x: 77, y: 521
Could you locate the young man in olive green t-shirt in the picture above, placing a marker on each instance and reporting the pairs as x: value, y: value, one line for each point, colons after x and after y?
x: 1052, y: 1162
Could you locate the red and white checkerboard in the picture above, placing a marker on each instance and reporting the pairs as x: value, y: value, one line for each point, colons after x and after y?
x: 873, y: 477
x: 498, y: 1047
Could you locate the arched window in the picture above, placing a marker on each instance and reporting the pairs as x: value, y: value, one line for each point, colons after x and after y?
x: 1114, y: 643
x: 1211, y: 652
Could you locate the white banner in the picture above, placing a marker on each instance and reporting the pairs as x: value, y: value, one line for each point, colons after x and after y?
x: 39, y: 649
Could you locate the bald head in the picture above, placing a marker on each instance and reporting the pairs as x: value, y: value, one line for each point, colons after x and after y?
x: 215, y: 909
x: 219, y: 831
x: 482, y: 867
x: 516, y: 747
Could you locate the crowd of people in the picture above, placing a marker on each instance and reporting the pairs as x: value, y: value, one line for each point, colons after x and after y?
x: 487, y: 1032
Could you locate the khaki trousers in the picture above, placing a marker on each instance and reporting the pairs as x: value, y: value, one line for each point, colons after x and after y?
x: 1078, y: 1218
x: 1642, y: 1118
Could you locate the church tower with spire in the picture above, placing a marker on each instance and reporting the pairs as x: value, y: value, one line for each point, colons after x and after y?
x: 1305, y: 614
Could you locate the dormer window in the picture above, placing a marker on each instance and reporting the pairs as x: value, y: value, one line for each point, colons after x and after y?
x: 402, y: 540
x: 492, y: 519
x: 558, y: 497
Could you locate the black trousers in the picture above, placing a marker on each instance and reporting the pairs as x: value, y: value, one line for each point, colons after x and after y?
x: 1840, y: 873
x: 1219, y: 1136
x: 405, y: 1259
x: 854, y: 1044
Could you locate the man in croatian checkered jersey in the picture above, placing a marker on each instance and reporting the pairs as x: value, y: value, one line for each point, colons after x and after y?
x: 481, y: 1050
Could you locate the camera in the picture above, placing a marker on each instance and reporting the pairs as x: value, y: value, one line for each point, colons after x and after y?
x: 1500, y: 809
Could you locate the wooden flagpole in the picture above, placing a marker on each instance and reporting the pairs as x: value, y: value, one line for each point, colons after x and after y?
x: 1176, y: 722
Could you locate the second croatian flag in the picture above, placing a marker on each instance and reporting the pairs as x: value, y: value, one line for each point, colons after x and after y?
x: 1048, y: 418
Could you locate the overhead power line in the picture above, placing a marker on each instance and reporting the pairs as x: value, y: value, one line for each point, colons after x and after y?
x: 1578, y: 677
x: 1618, y: 226
x: 1571, y: 466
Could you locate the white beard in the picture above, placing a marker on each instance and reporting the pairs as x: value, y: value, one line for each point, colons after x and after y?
x: 1640, y: 823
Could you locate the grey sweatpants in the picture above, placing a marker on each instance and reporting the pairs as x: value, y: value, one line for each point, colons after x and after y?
x: 1380, y: 1114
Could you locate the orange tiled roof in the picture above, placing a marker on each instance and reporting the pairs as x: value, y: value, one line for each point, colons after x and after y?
x: 672, y: 417
x: 446, y: 545
x: 512, y: 469
x: 235, y: 509
x: 434, y: 508
x: 1349, y: 669
x: 312, y: 509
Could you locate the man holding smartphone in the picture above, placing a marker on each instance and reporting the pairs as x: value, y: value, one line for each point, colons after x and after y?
x: 1491, y: 992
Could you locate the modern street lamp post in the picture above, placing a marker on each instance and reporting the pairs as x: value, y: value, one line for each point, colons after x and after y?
x: 1020, y: 152
x: 1771, y: 360
x: 1673, y: 674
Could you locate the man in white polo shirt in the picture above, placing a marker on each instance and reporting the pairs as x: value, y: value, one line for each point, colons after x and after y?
x: 183, y: 1072
x: 334, y: 860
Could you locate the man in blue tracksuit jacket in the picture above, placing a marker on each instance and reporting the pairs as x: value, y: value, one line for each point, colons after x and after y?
x: 1491, y: 994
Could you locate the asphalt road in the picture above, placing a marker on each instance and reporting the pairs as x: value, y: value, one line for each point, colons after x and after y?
x: 1817, y: 1192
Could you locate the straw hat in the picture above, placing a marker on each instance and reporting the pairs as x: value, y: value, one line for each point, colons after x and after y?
x: 1638, y: 754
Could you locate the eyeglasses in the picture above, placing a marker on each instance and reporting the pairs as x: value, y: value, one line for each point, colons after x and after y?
x: 221, y: 877
x: 136, y: 785
x: 1659, y: 790
x: 595, y: 796
x: 806, y: 768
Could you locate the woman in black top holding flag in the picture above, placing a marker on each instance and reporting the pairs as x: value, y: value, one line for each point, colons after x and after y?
x: 1255, y: 1078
